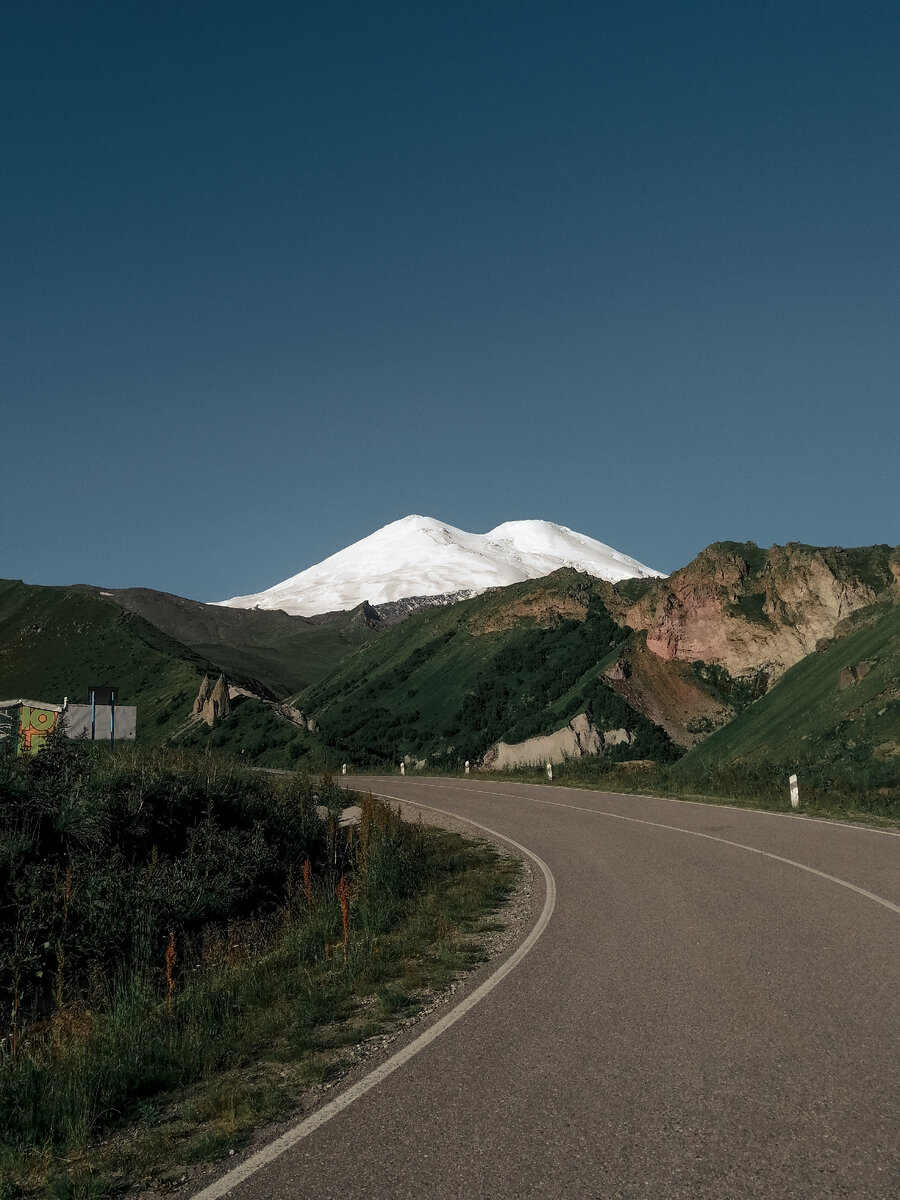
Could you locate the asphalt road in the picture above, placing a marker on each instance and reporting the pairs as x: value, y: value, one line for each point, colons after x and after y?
x: 703, y: 1016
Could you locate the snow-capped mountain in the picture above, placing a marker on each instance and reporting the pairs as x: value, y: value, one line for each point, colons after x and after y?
x: 418, y: 556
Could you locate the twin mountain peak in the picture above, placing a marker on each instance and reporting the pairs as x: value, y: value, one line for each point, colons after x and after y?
x: 421, y: 557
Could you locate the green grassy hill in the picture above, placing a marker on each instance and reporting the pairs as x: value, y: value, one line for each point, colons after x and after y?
x: 835, y: 714
x: 55, y: 642
x: 448, y: 682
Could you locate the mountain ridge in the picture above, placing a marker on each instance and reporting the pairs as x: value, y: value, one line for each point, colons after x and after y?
x: 759, y: 658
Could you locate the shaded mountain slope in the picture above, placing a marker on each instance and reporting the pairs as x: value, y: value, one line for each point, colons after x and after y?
x: 283, y: 653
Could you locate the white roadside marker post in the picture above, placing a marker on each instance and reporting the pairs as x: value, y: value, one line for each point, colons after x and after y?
x: 467, y: 766
x: 344, y: 769
x: 403, y: 768
x: 550, y: 771
x: 795, y: 792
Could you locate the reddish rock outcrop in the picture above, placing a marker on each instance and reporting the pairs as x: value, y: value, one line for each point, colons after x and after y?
x: 753, y: 611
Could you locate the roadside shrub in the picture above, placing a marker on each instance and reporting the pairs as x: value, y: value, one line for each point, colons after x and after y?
x: 104, y: 852
x: 167, y: 917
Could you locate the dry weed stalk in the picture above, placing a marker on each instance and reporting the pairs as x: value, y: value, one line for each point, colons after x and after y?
x: 60, y: 964
x: 307, y: 883
x: 15, y: 1017
x: 343, y: 895
x: 170, y: 968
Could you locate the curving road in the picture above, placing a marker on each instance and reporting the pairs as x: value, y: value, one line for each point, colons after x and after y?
x: 712, y: 1010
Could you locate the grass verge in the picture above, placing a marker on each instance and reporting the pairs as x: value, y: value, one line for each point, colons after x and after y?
x: 758, y: 786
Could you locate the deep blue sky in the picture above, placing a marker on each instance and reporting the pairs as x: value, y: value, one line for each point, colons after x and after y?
x: 274, y: 274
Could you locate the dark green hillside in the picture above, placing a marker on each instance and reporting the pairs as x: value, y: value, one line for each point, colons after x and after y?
x: 255, y: 732
x: 836, y: 713
x: 55, y: 642
x: 282, y: 652
x: 448, y: 682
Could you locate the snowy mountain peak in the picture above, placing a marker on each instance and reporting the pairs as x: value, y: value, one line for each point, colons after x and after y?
x: 419, y: 556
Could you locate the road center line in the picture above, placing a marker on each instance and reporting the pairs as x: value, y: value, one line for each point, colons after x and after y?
x: 236, y: 1176
x: 675, y: 829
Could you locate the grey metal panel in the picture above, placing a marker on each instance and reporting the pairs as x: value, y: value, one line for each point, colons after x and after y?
x: 78, y: 722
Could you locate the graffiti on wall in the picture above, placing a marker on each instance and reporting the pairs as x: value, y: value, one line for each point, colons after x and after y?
x: 34, y: 725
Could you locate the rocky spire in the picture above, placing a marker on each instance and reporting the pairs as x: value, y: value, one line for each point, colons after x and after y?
x: 212, y: 703
x: 218, y: 705
x: 202, y: 697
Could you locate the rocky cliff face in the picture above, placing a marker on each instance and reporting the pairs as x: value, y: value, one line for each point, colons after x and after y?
x: 754, y: 611
x: 667, y: 692
x: 393, y: 611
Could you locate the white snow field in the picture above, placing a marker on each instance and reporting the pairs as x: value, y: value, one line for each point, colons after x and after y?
x: 418, y: 556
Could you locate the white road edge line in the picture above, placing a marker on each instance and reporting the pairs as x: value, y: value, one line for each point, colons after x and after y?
x: 236, y: 1176
x: 598, y: 812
